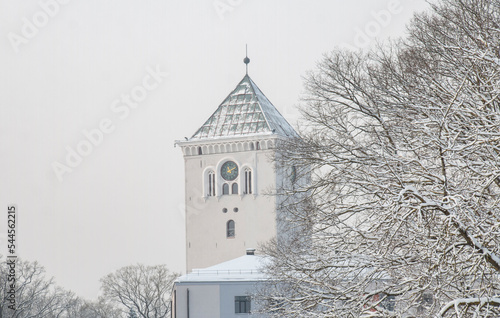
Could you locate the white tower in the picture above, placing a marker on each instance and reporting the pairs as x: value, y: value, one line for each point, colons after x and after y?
x: 228, y: 174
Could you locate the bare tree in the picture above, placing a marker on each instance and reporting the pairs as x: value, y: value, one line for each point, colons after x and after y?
x: 76, y: 307
x: 142, y: 289
x: 35, y: 295
x: 402, y: 145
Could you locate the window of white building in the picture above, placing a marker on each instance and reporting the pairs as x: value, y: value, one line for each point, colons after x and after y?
x: 242, y: 304
x: 225, y: 188
x: 248, y: 181
x: 230, y: 229
x: 211, y: 184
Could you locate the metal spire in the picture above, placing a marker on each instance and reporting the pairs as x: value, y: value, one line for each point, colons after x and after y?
x: 246, y: 60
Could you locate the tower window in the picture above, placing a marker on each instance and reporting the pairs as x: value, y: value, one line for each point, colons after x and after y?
x: 293, y: 174
x: 234, y: 188
x: 258, y: 145
x: 242, y: 304
x: 211, y: 184
x: 230, y: 229
x: 248, y: 181
x: 225, y: 188
x: 199, y: 151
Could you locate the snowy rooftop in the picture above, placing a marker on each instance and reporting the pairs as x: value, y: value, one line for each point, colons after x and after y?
x: 244, y: 268
x: 245, y: 111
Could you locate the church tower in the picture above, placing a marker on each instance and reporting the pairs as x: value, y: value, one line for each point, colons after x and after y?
x: 229, y: 174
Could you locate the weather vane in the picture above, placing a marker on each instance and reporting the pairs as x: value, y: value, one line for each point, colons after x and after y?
x: 246, y: 60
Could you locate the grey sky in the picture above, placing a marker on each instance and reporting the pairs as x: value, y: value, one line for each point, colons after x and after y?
x: 61, y: 80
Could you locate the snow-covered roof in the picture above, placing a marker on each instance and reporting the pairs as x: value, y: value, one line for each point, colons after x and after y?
x: 245, y: 111
x: 244, y: 268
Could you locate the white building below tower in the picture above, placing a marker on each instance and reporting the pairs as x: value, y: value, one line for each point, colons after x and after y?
x: 224, y: 290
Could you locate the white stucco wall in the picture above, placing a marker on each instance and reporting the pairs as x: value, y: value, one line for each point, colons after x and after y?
x: 227, y: 293
x: 204, y: 301
x: 255, y: 221
x: 211, y: 300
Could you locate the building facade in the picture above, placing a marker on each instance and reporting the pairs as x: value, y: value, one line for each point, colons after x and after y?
x: 230, y: 177
x: 223, y: 290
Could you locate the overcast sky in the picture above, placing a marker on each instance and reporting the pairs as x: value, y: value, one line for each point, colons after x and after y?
x: 94, y: 93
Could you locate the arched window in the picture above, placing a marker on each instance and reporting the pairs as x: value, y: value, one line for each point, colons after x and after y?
x: 248, y: 181
x: 230, y: 229
x: 225, y: 188
x: 211, y: 184
x: 234, y: 188
x: 251, y: 146
x: 199, y: 151
x: 258, y: 145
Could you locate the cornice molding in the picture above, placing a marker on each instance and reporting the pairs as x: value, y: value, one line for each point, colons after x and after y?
x: 233, y: 145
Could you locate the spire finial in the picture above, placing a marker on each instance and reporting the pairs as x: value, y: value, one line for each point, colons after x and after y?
x: 246, y: 60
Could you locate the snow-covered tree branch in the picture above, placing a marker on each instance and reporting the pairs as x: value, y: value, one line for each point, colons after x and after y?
x: 401, y: 146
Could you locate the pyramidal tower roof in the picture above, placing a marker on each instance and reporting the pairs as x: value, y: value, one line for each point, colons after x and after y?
x: 245, y: 111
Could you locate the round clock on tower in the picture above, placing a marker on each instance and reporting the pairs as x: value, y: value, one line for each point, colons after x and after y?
x: 229, y: 171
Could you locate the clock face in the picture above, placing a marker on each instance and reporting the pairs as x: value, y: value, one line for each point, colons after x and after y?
x: 229, y: 171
